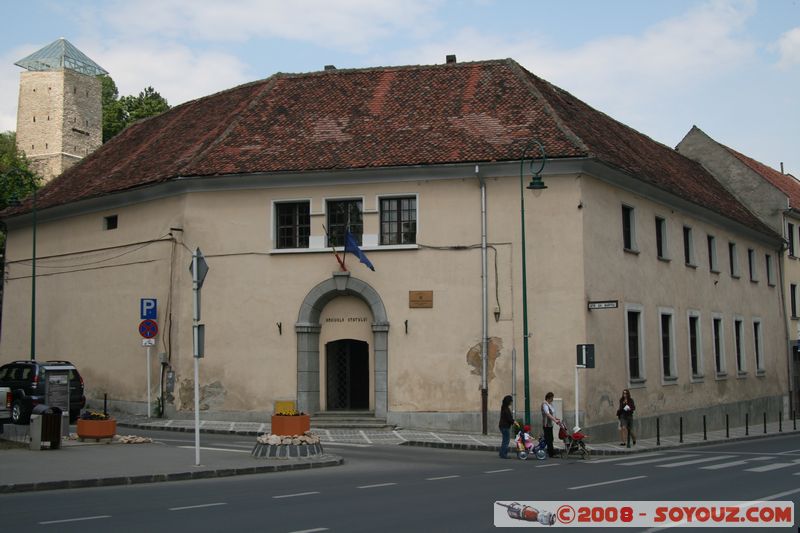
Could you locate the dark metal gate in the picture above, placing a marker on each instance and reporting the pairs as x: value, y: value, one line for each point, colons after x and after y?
x: 347, y: 375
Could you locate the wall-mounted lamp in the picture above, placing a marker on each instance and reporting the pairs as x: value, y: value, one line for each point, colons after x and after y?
x: 280, y: 327
x: 406, y: 327
x: 497, y: 314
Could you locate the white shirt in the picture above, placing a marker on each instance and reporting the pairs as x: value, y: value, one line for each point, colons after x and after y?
x: 547, y: 409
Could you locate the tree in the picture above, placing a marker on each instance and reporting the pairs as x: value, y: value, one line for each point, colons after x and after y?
x: 118, y: 113
x: 17, y: 181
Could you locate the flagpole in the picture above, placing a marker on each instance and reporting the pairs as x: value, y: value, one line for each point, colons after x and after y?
x: 338, y: 259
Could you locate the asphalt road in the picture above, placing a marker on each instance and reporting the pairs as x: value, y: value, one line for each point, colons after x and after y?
x: 401, y: 489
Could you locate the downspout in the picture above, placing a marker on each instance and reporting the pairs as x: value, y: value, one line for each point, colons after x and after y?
x: 484, y: 309
x: 784, y: 314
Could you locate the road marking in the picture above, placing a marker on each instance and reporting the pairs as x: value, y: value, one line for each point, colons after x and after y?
x: 376, y: 485
x: 659, y: 459
x: 398, y: 435
x: 695, y: 461
x: 724, y: 465
x: 476, y: 440
x: 767, y: 468
x: 196, y: 506
x: 351, y: 444
x: 606, y: 482
x: 545, y: 466
x: 788, y: 452
x: 74, y: 519
x: 438, y: 478
x: 365, y: 436
x: 216, y: 449
x: 310, y: 530
x: 440, y: 439
x: 497, y: 471
x: 296, y: 494
x: 623, y: 458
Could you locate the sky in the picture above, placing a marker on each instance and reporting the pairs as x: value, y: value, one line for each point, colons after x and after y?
x: 730, y: 67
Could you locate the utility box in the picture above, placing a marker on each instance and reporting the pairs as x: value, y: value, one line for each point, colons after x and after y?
x: 56, y: 392
x: 45, y: 427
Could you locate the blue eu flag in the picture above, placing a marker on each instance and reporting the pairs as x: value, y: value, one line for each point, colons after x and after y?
x: 350, y: 245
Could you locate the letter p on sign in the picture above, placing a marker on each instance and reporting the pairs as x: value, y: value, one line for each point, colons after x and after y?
x: 148, y: 308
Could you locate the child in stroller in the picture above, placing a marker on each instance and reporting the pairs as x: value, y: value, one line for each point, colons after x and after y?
x: 526, y: 445
x: 573, y: 441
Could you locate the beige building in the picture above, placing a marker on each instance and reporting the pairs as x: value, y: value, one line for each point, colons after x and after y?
x: 423, y: 163
x: 60, y: 115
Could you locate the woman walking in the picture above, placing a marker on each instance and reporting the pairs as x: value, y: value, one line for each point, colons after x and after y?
x: 506, y: 421
x: 625, y: 415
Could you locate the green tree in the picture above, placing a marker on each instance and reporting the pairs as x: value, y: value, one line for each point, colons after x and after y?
x: 17, y: 181
x: 119, y: 112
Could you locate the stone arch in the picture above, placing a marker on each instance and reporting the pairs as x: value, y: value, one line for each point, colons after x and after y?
x: 308, y: 329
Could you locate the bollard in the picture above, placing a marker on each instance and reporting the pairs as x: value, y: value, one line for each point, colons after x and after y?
x: 727, y: 427
x: 705, y: 435
x: 794, y: 420
x: 747, y: 424
x: 658, y: 432
x: 105, y: 404
x: 681, y: 429
x: 765, y: 423
x: 780, y: 421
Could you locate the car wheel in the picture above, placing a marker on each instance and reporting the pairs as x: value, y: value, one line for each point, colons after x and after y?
x: 18, y: 413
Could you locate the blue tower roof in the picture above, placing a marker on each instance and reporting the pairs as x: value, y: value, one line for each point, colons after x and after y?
x: 61, y: 54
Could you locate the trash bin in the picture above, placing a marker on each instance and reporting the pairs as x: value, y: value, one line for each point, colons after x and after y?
x: 45, y: 426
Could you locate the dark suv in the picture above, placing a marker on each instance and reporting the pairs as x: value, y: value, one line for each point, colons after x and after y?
x: 27, y: 381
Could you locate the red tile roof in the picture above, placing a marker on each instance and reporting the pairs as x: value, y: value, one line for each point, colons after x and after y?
x: 380, y: 117
x: 787, y: 183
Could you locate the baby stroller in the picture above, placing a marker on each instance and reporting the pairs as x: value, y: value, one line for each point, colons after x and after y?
x: 526, y: 445
x: 573, y: 441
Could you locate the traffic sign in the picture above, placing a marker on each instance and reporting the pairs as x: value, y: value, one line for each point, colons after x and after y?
x: 148, y: 308
x: 148, y: 342
x: 148, y: 328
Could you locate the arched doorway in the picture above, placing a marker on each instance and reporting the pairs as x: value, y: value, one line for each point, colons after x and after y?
x: 308, y: 333
x: 347, y: 375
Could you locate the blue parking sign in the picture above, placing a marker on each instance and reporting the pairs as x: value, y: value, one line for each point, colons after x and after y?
x: 148, y: 308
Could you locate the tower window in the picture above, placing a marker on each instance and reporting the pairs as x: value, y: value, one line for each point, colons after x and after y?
x: 110, y: 222
x: 34, y: 119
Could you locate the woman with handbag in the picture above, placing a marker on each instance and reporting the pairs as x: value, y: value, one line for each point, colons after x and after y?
x: 625, y: 415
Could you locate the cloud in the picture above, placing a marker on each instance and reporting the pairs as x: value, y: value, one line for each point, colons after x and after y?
x: 789, y: 48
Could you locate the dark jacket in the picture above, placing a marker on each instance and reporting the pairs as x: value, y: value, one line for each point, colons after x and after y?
x: 506, y: 418
x: 622, y: 403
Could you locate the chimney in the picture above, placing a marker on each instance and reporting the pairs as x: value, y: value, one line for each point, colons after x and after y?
x: 451, y: 58
x: 330, y: 67
x: 782, y: 172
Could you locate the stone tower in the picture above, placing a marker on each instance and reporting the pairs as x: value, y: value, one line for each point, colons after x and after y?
x: 60, y: 114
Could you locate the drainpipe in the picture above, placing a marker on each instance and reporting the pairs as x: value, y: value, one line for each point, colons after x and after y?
x: 484, y: 308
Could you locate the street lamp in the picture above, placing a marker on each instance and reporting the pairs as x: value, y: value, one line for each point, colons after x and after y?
x: 536, y: 184
x: 14, y: 201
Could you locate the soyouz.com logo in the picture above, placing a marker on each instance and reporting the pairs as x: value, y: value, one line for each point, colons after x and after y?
x: 644, y: 514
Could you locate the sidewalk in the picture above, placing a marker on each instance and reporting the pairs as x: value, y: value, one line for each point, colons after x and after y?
x: 89, y: 464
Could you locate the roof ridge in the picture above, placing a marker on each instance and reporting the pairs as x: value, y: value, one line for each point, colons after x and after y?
x: 390, y: 68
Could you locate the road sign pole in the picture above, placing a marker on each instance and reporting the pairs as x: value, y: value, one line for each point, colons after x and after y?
x: 148, y: 382
x: 195, y: 320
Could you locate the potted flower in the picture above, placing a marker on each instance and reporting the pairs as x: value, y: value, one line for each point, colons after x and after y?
x: 96, y: 425
x: 290, y: 422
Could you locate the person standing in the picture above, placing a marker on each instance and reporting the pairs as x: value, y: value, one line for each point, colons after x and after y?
x: 625, y: 415
x: 506, y: 421
x: 548, y: 420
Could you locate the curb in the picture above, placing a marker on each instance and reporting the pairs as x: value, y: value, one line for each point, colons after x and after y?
x: 330, y: 460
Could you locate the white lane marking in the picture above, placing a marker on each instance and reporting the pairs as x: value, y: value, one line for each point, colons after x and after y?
x: 659, y: 459
x: 296, y: 494
x: 623, y: 458
x: 74, y: 519
x: 215, y: 449
x: 545, y: 466
x: 440, y: 439
x: 398, y: 435
x: 440, y: 477
x: 196, y: 506
x: 310, y: 530
x: 695, y: 461
x: 606, y: 482
x: 476, y: 440
x: 351, y: 444
x: 376, y: 485
x: 365, y: 436
x: 767, y: 468
x: 497, y: 471
x: 723, y: 465
x: 788, y: 452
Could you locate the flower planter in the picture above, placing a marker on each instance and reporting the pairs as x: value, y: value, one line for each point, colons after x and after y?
x: 290, y: 425
x: 96, y: 429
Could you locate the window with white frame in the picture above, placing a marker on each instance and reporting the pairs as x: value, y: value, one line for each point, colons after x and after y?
x: 738, y: 339
x: 770, y: 269
x: 790, y: 238
x: 758, y: 345
x: 667, y: 336
x: 718, y: 332
x: 733, y: 259
x: 712, y: 253
x: 634, y: 345
x: 751, y: 264
x: 628, y: 228
x: 695, y: 345
x: 399, y: 220
x: 292, y: 224
x: 688, y: 246
x: 661, y: 238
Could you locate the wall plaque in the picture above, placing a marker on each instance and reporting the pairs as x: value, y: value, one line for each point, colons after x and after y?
x: 420, y: 299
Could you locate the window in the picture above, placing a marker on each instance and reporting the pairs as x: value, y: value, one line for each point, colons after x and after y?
x: 399, y: 220
x: 343, y: 214
x: 635, y: 344
x: 661, y: 238
x: 793, y: 299
x: 667, y: 346
x: 293, y: 224
x: 695, y: 345
x: 712, y: 253
x: 738, y: 335
x: 719, y: 345
x: 758, y: 346
x: 733, y: 259
x: 688, y: 246
x: 790, y: 238
x: 110, y: 222
x: 628, y: 228
x: 751, y: 263
x: 770, y: 270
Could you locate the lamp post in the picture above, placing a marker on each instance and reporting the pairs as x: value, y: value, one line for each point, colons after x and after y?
x: 33, y: 258
x: 536, y: 184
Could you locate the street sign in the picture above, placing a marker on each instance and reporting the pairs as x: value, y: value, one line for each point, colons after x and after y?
x: 148, y: 328
x: 585, y: 355
x: 202, y: 268
x: 148, y: 342
x: 604, y: 304
x: 148, y: 309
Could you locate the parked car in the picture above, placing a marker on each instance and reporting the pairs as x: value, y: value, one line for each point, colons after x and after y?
x: 27, y: 381
x: 5, y: 405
